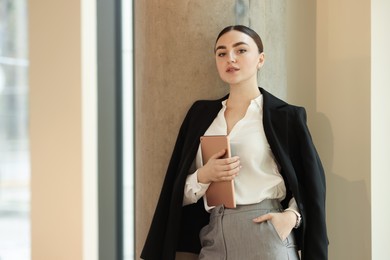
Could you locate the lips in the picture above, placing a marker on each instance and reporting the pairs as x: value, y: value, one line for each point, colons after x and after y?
x: 232, y: 69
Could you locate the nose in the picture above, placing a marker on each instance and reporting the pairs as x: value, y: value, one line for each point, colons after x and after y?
x: 232, y: 57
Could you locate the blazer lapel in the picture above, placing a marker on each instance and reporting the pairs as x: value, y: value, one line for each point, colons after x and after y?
x: 275, y: 121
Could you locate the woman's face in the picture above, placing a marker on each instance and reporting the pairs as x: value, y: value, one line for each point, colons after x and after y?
x: 238, y: 59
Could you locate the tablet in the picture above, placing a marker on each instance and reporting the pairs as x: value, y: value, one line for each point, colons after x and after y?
x: 222, y: 192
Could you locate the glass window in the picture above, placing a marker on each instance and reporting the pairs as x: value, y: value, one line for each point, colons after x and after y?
x: 14, y: 145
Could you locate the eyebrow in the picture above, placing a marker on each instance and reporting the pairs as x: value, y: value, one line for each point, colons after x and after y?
x: 234, y: 45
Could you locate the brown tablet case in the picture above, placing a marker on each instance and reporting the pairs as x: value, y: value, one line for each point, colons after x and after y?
x: 222, y: 192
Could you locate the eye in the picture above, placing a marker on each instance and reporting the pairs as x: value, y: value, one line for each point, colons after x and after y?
x: 221, y: 54
x: 241, y: 51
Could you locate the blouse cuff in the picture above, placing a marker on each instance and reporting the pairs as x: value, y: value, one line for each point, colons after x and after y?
x: 194, y: 190
x: 195, y: 186
x: 292, y: 206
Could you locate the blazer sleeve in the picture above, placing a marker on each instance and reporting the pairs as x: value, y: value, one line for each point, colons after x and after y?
x: 313, y: 182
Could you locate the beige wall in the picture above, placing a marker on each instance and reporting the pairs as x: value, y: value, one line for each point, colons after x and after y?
x: 63, y: 197
x: 329, y: 73
x: 343, y: 93
x: 55, y: 130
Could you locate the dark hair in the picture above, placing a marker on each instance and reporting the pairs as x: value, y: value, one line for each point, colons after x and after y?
x: 248, y: 31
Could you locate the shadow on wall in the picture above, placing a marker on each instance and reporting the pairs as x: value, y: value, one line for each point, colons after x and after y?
x: 342, y: 195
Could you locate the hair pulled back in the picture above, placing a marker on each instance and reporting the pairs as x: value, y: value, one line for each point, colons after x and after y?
x: 244, y: 29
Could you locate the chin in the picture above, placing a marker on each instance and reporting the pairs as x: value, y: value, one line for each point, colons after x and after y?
x: 230, y: 81
x: 233, y: 82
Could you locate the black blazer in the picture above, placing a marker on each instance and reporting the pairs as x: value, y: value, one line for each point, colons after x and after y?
x: 176, y: 228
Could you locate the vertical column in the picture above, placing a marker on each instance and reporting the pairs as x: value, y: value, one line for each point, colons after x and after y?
x: 63, y: 130
x: 55, y: 130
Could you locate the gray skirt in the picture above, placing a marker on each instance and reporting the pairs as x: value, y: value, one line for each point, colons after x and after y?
x: 232, y: 235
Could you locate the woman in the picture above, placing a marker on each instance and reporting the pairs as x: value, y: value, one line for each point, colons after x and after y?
x: 279, y: 180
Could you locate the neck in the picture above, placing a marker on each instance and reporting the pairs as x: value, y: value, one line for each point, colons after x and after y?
x: 241, y: 95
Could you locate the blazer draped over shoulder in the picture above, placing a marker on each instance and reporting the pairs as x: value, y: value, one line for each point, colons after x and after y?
x: 176, y: 228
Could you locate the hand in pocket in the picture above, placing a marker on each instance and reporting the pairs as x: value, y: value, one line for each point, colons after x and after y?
x: 283, y: 222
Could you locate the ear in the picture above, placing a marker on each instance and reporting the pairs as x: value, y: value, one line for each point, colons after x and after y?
x: 261, y: 60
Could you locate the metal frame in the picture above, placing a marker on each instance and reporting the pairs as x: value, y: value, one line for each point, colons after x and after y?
x: 110, y: 198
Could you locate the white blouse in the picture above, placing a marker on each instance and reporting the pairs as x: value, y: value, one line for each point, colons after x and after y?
x: 259, y: 178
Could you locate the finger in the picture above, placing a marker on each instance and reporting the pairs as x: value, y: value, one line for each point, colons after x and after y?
x: 233, y: 173
x: 232, y: 166
x: 224, y: 174
x: 230, y: 160
x: 263, y: 218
